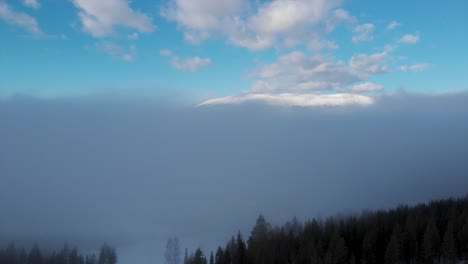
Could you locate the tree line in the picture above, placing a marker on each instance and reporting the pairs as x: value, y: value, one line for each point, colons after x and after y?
x: 436, y: 232
x: 13, y: 255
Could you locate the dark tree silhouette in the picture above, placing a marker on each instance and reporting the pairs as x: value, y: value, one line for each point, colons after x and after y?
x: 430, y: 243
x: 401, y: 235
x: 448, y: 246
x: 12, y: 255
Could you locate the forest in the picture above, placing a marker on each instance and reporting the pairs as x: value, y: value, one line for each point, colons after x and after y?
x: 13, y: 255
x: 436, y: 232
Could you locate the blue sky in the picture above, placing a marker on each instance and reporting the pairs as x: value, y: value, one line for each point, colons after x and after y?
x: 281, y: 51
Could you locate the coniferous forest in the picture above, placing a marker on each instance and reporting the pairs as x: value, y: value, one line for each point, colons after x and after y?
x: 13, y: 255
x: 427, y: 233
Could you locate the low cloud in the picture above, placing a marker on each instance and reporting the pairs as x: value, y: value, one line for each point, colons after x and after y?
x: 133, y: 172
x: 300, y: 100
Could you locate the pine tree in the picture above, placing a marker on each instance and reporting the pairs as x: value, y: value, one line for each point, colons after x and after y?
x: 241, y: 254
x: 409, y: 244
x: 430, y: 242
x: 449, y: 253
x: 23, y: 257
x: 220, y: 258
x: 368, y: 246
x: 35, y: 256
x: 337, y: 251
x: 211, y: 258
x: 257, y: 242
x: 73, y: 257
x: 91, y: 259
x: 107, y: 255
x: 392, y: 253
x: 10, y: 255
x: 198, y: 257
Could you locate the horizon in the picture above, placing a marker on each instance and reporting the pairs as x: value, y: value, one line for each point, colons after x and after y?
x: 129, y: 122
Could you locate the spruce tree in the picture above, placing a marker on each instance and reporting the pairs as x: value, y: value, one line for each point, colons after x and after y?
x: 430, y: 242
x: 337, y: 251
x: 449, y: 253
x: 392, y: 253
x: 211, y: 258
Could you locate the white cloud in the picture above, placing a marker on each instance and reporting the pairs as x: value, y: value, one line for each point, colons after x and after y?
x: 284, y: 16
x: 363, y: 33
x: 366, y: 66
x: 133, y: 36
x: 297, y: 100
x: 415, y: 68
x: 390, y: 48
x: 118, y: 51
x: 337, y: 17
x: 32, y: 3
x: 252, y: 41
x: 254, y: 26
x: 409, y: 38
x: 99, y: 18
x: 19, y: 19
x: 366, y: 87
x: 393, y: 25
x: 297, y: 72
x: 318, y: 44
x: 202, y: 15
x: 191, y: 64
x: 165, y: 52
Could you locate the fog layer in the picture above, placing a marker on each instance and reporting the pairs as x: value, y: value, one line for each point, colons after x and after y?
x: 134, y: 172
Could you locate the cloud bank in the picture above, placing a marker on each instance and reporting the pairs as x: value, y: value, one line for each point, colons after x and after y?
x: 134, y: 172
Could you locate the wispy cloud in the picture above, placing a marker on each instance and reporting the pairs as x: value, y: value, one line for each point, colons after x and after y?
x: 193, y: 64
x: 363, y: 33
x: 367, y: 87
x: 409, y: 38
x: 99, y: 18
x: 19, y: 19
x: 393, y: 25
x: 419, y: 67
x: 32, y: 3
x: 165, y: 52
x: 118, y: 51
x: 133, y: 36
